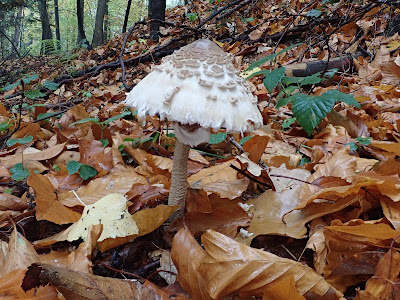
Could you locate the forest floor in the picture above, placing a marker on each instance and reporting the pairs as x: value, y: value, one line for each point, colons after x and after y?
x: 305, y: 207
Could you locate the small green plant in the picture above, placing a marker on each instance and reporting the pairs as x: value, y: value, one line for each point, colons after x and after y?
x: 191, y: 16
x: 85, y: 171
x: 85, y: 94
x: 26, y: 139
x: 364, y: 141
x: 308, y: 110
x: 18, y: 172
x: 103, y: 124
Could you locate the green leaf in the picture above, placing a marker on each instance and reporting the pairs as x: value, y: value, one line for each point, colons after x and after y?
x: 288, y: 122
x: 313, y: 79
x: 87, y: 172
x: 121, y: 115
x: 94, y: 120
x: 104, y: 142
x: 50, y: 85
x: 304, y: 161
x: 24, y: 140
x: 191, y: 16
x: 365, y: 141
x: 245, y: 139
x: 18, y: 172
x: 286, y: 101
x: 336, y: 96
x: 217, y: 138
x: 4, y: 126
x: 331, y: 72
x: 273, y: 78
x: 28, y: 79
x: 287, y: 92
x: 11, y: 86
x: 270, y: 57
x: 33, y: 94
x: 8, y: 191
x: 353, y: 146
x: 57, y: 168
x: 245, y: 20
x: 73, y: 166
x: 46, y: 115
x: 310, y: 110
x: 314, y: 13
x: 286, y: 80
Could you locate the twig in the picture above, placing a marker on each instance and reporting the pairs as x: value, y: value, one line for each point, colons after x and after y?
x: 216, y: 13
x: 252, y: 178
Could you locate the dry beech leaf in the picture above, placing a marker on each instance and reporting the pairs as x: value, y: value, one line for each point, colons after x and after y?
x: 79, y: 259
x: 100, y: 187
x: 10, y: 288
x: 110, y: 211
x: 147, y: 220
x: 384, y: 283
x: 231, y: 267
x: 81, y: 286
x: 93, y: 153
x: 19, y: 254
x: 10, y: 202
x: 187, y: 255
x: 256, y: 147
x: 48, y: 206
x: 11, y: 160
x: 223, y: 220
x: 317, y: 243
x: 284, y: 289
x: 220, y: 179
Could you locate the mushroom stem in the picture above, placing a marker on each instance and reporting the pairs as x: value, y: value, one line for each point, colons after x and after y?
x: 177, y: 192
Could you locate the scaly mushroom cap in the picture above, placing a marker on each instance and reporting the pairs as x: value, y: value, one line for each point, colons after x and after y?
x: 198, y: 84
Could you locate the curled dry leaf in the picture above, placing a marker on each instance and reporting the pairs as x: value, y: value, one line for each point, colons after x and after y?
x: 10, y: 288
x: 219, y: 179
x: 48, y: 206
x: 187, y: 255
x: 101, y: 187
x: 230, y: 267
x: 77, y: 285
x: 384, y: 283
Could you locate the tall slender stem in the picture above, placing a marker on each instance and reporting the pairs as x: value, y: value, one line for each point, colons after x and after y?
x: 177, y: 192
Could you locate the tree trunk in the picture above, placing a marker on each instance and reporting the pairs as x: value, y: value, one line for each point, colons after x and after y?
x: 17, y: 31
x: 106, y: 23
x: 98, y: 26
x: 156, y: 11
x: 47, y: 36
x: 128, y: 9
x: 57, y: 20
x: 82, y: 40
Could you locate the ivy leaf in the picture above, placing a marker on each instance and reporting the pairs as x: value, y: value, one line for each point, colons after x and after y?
x: 353, y: 146
x: 24, y: 140
x: 33, y: 94
x: 18, y: 172
x: 87, y: 172
x: 273, y: 78
x: 310, y: 110
x: 73, y: 166
x: 217, y: 138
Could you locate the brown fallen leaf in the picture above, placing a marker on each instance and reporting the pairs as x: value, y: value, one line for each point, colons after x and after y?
x: 223, y: 220
x: 384, y: 283
x: 187, y: 255
x: 10, y: 288
x: 48, y: 206
x: 81, y: 286
x: 93, y: 153
x: 284, y: 289
x: 231, y: 267
x: 19, y: 254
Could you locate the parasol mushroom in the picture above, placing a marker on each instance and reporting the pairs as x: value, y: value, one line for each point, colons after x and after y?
x: 196, y: 87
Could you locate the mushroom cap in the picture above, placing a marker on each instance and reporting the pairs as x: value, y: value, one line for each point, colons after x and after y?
x: 198, y: 84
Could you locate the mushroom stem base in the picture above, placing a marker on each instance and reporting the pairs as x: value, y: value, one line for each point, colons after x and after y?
x: 177, y: 192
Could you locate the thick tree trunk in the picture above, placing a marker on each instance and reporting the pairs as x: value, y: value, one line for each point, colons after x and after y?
x: 47, y: 36
x: 98, y: 26
x: 82, y: 40
x: 17, y: 31
x: 128, y: 9
x: 57, y: 20
x: 156, y: 11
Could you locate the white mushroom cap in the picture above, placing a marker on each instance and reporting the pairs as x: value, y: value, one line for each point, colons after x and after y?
x: 198, y: 84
